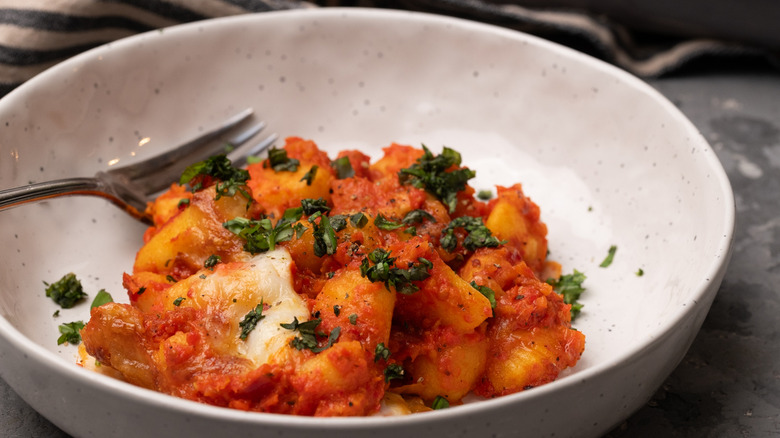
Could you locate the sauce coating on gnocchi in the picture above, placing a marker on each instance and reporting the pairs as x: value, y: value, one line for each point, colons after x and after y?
x: 334, y: 286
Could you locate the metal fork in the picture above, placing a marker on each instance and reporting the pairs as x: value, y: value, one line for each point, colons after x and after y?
x: 131, y: 187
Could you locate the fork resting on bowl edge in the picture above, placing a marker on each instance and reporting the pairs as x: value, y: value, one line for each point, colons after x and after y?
x: 130, y: 187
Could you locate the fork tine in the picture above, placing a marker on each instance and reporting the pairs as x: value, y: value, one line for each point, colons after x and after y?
x: 195, y: 150
x: 241, y: 157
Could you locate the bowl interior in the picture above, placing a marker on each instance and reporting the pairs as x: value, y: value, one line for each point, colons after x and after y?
x: 609, y: 161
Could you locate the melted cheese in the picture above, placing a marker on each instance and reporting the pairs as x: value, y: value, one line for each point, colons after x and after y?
x: 233, y: 290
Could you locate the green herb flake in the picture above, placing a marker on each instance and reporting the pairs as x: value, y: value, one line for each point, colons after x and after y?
x: 343, y: 168
x: 183, y: 203
x: 141, y: 290
x: 56, y: 314
x: 394, y: 371
x: 307, y: 338
x: 479, y: 236
x: 336, y: 310
x: 358, y: 220
x: 610, y: 256
x: 260, y: 235
x: 70, y: 332
x: 570, y: 287
x: 353, y: 318
x: 381, y: 352
x: 279, y: 161
x: 309, y: 177
x: 101, y: 298
x: 383, y: 270
x: 212, y: 261
x: 440, y: 403
x: 177, y: 301
x: 416, y: 217
x: 170, y: 278
x: 250, y: 321
x: 383, y: 223
x: 484, y: 195
x: 67, y: 291
x: 487, y: 292
x: 313, y: 206
x: 433, y: 174
x: 232, y: 179
x: 640, y: 272
x: 325, y: 242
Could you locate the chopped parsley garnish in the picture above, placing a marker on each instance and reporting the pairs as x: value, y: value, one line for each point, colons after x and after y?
x: 218, y: 166
x: 392, y: 276
x: 232, y: 179
x: 67, y: 291
x: 487, y: 292
x: 383, y: 223
x: 479, y: 235
x: 307, y: 338
x: 381, y: 352
x: 279, y: 161
x: 484, y: 195
x: 250, y: 321
x: 177, y: 301
x: 309, y: 177
x: 610, y: 256
x: 325, y: 242
x: 212, y: 261
x: 440, y: 403
x: 430, y: 173
x: 70, y: 333
x: 312, y: 206
x: 170, y: 278
x: 259, y: 235
x: 338, y: 222
x: 343, y: 168
x: 416, y: 217
x: 352, y: 318
x: 101, y: 298
x: 141, y: 290
x: 570, y: 286
x: 640, y: 272
x: 358, y: 220
x: 183, y: 203
x: 394, y: 371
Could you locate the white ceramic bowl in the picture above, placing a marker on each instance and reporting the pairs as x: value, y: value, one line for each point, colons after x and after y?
x: 608, y: 159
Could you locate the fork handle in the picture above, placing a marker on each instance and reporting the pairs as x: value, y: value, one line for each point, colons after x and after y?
x: 17, y: 196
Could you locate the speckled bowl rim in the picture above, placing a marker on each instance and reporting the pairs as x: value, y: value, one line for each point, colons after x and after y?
x: 703, y: 294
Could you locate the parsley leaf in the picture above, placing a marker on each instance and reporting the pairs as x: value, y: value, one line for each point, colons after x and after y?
x: 259, y: 235
x: 218, y: 166
x: 429, y: 172
x: 325, y: 241
x: 279, y: 161
x: 570, y: 286
x: 384, y: 271
x: 610, y: 255
x: 394, y: 371
x: 381, y: 352
x: 66, y: 291
x: 343, y: 168
x: 478, y: 234
x: 416, y: 217
x: 358, y: 220
x: 487, y: 292
x: 440, y: 403
x: 484, y: 195
x: 250, y: 321
x: 312, y: 206
x: 177, y: 302
x: 212, y: 261
x: 101, y: 298
x: 307, y: 338
x: 383, y: 223
x: 309, y: 177
x: 70, y: 333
